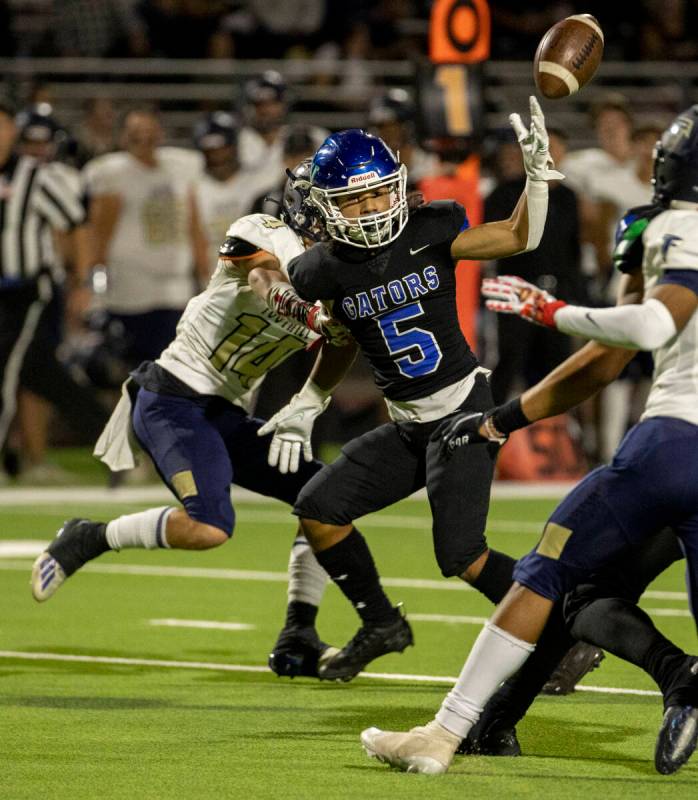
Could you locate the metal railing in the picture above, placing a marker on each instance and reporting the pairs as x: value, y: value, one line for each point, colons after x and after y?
x: 321, y: 93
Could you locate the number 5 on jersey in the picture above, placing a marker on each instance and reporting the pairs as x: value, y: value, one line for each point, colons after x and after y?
x: 425, y: 355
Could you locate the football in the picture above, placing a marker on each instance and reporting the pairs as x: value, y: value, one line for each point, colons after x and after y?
x: 568, y: 56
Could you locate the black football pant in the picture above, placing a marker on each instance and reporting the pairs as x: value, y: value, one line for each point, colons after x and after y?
x: 28, y: 359
x: 586, y: 613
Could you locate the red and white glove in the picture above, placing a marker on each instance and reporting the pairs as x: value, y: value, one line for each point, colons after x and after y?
x: 321, y: 321
x: 509, y: 294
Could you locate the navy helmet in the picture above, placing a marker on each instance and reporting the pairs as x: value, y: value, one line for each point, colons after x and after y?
x: 296, y: 209
x: 219, y: 129
x: 675, y: 178
x: 265, y: 88
x: 392, y: 106
x: 351, y: 163
x: 37, y: 124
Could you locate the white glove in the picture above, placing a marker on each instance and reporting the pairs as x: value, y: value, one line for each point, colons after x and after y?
x: 292, y: 427
x: 509, y: 294
x: 534, y: 145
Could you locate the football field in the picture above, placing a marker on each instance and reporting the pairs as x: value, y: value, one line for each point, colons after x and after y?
x: 145, y: 676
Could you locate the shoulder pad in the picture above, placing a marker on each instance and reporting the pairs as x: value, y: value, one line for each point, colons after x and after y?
x: 628, y: 251
x: 233, y: 247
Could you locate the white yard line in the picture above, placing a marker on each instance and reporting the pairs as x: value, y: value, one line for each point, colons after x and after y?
x: 452, y: 619
x: 503, y: 490
x: 668, y: 612
x: 206, y: 624
x: 212, y: 573
x: 217, y: 667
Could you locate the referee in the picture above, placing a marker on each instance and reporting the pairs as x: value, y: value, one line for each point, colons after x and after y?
x: 35, y: 204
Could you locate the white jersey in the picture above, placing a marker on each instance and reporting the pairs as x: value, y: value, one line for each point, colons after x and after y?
x: 228, y: 339
x: 671, y: 243
x: 150, y: 255
x: 223, y: 202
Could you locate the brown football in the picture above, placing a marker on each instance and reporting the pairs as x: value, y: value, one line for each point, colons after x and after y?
x: 568, y: 56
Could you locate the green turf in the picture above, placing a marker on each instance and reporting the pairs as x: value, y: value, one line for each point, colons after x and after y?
x: 85, y: 730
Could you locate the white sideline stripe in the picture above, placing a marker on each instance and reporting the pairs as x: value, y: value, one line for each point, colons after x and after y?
x: 450, y: 618
x: 207, y: 665
x: 212, y: 573
x: 207, y: 624
x: 504, y: 490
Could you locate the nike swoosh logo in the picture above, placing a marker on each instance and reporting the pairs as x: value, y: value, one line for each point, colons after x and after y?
x: 593, y: 321
x: 418, y: 250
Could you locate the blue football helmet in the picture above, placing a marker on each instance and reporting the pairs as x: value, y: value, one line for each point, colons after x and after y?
x: 351, y: 163
x: 675, y: 178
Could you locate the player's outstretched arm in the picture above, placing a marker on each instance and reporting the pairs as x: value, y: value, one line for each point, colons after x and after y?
x: 644, y: 325
x: 292, y: 426
x: 273, y: 287
x: 578, y: 378
x: 524, y: 228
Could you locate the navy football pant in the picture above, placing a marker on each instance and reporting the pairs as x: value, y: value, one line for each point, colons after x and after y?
x: 201, y: 446
x: 651, y: 484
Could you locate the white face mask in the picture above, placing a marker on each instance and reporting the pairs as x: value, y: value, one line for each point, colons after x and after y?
x: 369, y: 230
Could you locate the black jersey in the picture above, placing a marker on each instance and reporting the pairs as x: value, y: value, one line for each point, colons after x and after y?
x: 399, y: 302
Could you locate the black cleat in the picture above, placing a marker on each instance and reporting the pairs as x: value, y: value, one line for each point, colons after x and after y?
x: 297, y: 652
x: 77, y: 542
x: 370, y: 642
x: 580, y: 659
x: 677, y: 738
x: 502, y: 742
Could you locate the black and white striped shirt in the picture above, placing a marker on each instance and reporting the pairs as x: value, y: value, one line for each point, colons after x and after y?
x: 35, y: 200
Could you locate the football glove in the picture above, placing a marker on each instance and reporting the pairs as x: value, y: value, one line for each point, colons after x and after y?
x: 534, y: 145
x: 509, y: 294
x: 468, y: 428
x: 321, y: 321
x: 292, y: 427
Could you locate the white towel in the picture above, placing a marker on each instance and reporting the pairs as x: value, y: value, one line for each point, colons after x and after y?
x: 117, y: 446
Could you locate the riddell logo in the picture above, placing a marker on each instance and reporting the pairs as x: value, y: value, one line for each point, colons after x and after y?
x: 363, y: 178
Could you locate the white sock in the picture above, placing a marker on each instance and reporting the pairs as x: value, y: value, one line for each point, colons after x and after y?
x: 496, y: 656
x: 306, y: 578
x: 146, y: 529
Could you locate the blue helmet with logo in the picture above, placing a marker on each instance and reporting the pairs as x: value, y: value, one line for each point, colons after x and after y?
x: 675, y: 178
x: 350, y: 164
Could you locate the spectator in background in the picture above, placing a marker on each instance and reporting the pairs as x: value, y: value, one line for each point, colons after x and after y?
x: 97, y: 129
x: 186, y: 28
x: 391, y: 116
x: 98, y: 28
x: 261, y: 141
x: 667, y: 30
x: 224, y: 192
x: 525, y: 356
x: 609, y: 163
x: 146, y: 230
x: 298, y: 143
x: 44, y: 381
x: 517, y: 29
x: 623, y: 400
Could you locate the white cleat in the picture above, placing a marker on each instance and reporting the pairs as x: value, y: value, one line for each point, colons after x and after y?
x: 427, y: 749
x: 47, y: 576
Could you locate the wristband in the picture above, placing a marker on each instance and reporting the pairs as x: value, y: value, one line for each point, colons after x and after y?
x: 510, y: 417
